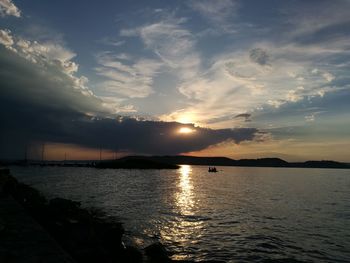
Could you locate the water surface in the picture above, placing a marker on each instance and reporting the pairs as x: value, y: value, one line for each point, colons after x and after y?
x: 240, y: 214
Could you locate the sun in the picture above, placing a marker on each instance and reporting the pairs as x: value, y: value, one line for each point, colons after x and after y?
x: 185, y: 117
x: 186, y: 130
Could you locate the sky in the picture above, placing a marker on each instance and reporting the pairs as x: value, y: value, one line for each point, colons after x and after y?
x: 249, y: 79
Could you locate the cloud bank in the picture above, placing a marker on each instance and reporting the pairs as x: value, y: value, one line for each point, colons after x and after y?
x: 256, y: 71
x: 219, y: 64
x: 44, y: 101
x: 8, y: 8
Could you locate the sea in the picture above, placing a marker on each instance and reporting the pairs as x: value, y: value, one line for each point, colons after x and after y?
x: 239, y: 214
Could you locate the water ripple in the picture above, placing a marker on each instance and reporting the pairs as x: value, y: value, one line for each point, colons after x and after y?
x: 238, y: 215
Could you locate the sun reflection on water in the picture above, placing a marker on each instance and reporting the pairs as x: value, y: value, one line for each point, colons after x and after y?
x: 187, y: 227
x: 184, y: 196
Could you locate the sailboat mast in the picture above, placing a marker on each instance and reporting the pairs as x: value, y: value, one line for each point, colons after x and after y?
x: 43, y: 152
x: 26, y: 153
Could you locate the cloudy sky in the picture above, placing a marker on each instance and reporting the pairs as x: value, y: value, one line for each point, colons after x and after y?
x: 249, y: 78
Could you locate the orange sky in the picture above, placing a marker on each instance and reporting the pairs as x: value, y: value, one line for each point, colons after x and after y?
x: 59, y: 151
x: 289, y: 150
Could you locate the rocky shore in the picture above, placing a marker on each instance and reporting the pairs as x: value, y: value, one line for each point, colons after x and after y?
x: 85, y: 235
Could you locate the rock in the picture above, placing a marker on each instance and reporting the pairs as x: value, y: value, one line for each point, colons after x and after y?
x: 157, y: 253
x: 7, y: 183
x: 64, y: 204
x: 28, y: 196
x: 133, y: 255
x: 191, y: 261
x: 110, y: 235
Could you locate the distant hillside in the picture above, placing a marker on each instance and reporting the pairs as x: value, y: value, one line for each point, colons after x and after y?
x: 172, y: 162
x: 224, y: 161
x: 321, y: 164
x: 135, y: 163
x: 180, y: 159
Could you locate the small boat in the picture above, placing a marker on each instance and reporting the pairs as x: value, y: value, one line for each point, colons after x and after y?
x: 212, y: 170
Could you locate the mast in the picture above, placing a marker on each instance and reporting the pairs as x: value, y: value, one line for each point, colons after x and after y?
x: 26, y: 153
x: 43, y: 152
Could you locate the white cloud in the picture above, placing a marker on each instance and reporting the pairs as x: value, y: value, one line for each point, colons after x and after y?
x: 294, y: 95
x: 172, y: 43
x: 252, y: 78
x: 134, y: 78
x: 217, y: 12
x: 275, y: 103
x: 126, y: 78
x: 328, y: 76
x: 118, y: 103
x: 246, y: 80
x: 8, y: 8
x: 310, y: 118
x: 237, y: 82
x: 123, y: 56
x: 49, y: 52
x: 111, y: 42
x: 133, y: 32
x: 54, y: 76
x: 6, y: 38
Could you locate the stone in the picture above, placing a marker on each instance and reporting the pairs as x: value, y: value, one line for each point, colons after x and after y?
x: 157, y: 253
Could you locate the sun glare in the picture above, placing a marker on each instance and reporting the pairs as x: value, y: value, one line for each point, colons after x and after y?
x: 185, y: 117
x: 186, y: 130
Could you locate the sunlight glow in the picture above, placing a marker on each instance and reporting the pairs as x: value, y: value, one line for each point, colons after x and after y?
x: 186, y: 130
x: 185, y: 117
x: 183, y: 230
x: 184, y: 198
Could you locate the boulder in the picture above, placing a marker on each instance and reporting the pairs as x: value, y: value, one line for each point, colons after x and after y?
x: 157, y: 253
x: 7, y: 182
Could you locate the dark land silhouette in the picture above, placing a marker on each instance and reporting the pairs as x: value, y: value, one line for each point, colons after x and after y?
x: 136, y: 163
x: 220, y: 161
x: 173, y: 162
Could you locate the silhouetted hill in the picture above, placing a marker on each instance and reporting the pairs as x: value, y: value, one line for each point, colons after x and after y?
x: 224, y: 161
x: 135, y: 163
x: 263, y: 162
x: 171, y: 162
x: 181, y: 159
x: 321, y: 164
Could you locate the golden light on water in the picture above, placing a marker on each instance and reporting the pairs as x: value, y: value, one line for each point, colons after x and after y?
x: 184, y: 229
x: 186, y: 130
x: 184, y: 198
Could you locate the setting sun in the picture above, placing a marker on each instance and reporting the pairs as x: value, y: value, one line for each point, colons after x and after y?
x: 186, y: 130
x: 185, y: 117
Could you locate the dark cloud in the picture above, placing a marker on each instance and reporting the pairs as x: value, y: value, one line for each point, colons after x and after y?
x: 41, y: 103
x: 27, y: 123
x: 245, y: 116
x: 151, y: 136
x: 259, y: 56
x: 44, y: 83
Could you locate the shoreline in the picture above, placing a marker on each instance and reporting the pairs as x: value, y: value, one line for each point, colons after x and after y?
x: 86, y: 235
x: 173, y: 162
